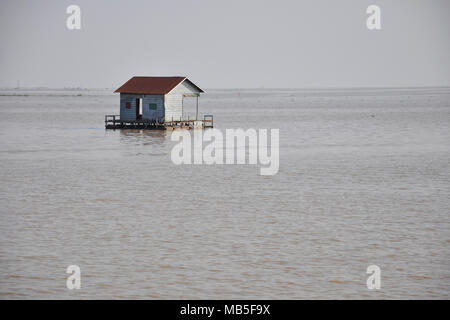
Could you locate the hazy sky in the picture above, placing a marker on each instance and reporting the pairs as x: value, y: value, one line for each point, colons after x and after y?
x: 227, y: 43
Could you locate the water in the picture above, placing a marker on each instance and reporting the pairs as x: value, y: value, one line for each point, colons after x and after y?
x: 364, y: 179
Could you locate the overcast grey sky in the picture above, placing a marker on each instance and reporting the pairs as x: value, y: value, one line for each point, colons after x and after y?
x: 227, y: 43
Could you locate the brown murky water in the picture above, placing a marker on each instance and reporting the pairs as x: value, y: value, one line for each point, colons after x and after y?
x: 364, y: 179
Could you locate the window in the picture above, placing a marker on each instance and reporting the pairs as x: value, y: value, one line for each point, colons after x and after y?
x: 152, y: 106
x: 128, y: 105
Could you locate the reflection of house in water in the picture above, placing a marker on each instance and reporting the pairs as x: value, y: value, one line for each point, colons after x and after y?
x: 156, y: 103
x: 154, y: 138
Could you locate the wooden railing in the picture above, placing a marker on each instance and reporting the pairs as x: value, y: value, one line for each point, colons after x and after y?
x: 113, y: 121
x: 208, y: 121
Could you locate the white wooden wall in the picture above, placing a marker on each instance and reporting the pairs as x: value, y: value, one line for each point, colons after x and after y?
x: 174, y: 100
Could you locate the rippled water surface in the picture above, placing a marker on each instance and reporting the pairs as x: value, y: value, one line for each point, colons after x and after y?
x: 364, y: 179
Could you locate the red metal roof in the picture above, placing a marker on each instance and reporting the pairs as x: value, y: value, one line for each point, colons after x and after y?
x: 152, y: 85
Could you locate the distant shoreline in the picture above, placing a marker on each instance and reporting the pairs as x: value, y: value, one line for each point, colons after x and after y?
x: 82, y: 92
x: 236, y: 89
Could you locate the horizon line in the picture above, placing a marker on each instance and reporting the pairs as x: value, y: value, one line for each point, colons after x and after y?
x: 245, y: 88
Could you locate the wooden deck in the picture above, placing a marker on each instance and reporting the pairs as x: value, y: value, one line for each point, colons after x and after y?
x: 114, y: 122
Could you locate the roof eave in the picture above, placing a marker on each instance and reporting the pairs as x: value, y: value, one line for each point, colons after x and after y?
x: 185, y: 78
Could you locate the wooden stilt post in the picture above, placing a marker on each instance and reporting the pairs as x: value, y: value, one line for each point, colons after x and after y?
x: 196, y: 110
